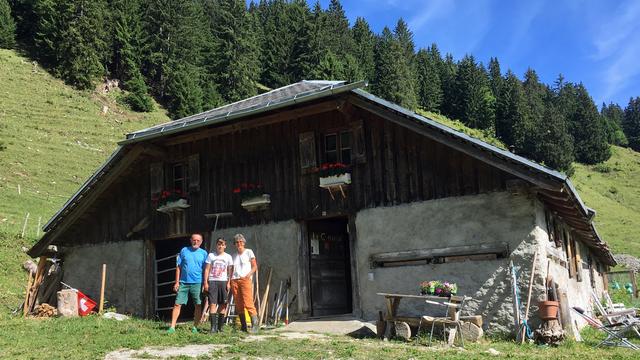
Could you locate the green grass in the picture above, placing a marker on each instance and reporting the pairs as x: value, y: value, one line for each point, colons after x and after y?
x: 613, y: 190
x: 92, y: 337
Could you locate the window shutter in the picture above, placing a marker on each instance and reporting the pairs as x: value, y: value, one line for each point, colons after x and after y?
x: 156, y: 177
x: 307, y: 144
x: 358, y: 143
x: 194, y: 172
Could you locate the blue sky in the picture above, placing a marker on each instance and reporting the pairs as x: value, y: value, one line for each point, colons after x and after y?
x: 596, y: 42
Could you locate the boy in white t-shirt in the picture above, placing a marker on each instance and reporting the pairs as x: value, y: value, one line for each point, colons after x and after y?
x: 217, y: 283
x: 244, y: 265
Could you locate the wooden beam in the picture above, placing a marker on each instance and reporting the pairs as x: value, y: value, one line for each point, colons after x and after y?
x: 257, y: 122
x: 460, y: 145
x: 155, y: 151
x: 85, y: 200
x: 416, y: 255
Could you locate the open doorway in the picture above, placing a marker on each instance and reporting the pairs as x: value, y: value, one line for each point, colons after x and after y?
x: 329, y: 267
x: 165, y: 276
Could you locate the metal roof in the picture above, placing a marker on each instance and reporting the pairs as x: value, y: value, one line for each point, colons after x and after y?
x: 296, y: 93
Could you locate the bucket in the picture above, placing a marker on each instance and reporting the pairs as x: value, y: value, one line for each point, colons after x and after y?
x: 548, y: 310
x: 85, y: 304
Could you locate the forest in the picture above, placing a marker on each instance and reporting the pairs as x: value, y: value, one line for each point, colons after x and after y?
x: 194, y: 55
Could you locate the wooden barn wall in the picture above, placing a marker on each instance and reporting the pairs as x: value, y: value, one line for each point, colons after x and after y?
x: 401, y: 166
x: 116, y: 211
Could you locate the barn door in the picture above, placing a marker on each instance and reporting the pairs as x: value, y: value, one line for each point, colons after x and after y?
x: 330, y: 273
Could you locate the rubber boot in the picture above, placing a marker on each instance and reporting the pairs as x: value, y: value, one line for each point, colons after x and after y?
x: 243, y: 322
x: 214, y: 323
x: 221, y: 320
x: 254, y: 324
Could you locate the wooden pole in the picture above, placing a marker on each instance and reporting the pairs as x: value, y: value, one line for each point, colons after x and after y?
x: 634, y: 285
x: 25, y: 307
x: 526, y: 311
x: 265, y: 298
x: 24, y: 227
x: 104, y: 278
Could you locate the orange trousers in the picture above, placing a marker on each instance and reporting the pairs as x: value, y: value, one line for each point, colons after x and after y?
x: 242, y: 290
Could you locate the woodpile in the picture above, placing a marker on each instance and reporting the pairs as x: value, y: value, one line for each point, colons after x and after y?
x: 45, y: 310
x: 42, y: 285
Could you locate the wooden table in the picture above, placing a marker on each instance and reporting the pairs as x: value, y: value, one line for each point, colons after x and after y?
x: 401, y: 324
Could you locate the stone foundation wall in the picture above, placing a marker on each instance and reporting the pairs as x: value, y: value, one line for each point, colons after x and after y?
x: 487, y: 218
x: 124, y: 288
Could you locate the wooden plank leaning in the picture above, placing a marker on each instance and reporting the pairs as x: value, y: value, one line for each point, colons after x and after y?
x: 265, y: 297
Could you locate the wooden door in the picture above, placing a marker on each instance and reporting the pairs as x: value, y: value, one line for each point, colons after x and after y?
x: 329, y: 267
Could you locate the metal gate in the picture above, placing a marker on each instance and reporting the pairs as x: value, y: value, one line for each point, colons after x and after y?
x: 164, y: 268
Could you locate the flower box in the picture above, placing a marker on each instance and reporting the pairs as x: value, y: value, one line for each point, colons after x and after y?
x: 335, y: 180
x: 258, y: 202
x: 171, y: 206
x: 438, y: 288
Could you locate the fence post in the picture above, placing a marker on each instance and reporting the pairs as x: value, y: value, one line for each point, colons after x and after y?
x: 634, y: 285
x: 24, y: 227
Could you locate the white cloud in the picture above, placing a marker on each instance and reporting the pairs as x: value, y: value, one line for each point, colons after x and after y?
x: 617, y: 47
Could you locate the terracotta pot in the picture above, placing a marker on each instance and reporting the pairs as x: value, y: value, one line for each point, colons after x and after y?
x: 548, y: 310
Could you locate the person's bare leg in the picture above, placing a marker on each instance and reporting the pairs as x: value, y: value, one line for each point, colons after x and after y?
x: 222, y: 309
x: 175, y: 314
x: 213, y: 308
x: 197, y: 314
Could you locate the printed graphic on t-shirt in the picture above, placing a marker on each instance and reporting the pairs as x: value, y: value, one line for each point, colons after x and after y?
x: 218, y: 268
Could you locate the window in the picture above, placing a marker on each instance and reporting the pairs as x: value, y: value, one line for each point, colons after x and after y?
x: 180, y: 177
x: 337, y: 147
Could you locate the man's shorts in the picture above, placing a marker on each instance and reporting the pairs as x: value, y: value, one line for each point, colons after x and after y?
x: 217, y: 292
x: 189, y: 290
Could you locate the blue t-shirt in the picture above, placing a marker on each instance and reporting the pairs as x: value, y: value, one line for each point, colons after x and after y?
x: 191, y: 264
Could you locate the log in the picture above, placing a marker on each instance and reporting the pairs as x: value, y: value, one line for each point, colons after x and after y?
x: 472, y: 332
x: 402, y: 330
x: 25, y: 308
x: 474, y: 319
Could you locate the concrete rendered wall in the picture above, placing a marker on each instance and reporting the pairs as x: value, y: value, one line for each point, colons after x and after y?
x: 485, y: 218
x: 275, y: 245
x: 125, y: 273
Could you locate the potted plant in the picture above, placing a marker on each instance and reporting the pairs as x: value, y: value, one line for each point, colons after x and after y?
x: 253, y: 196
x: 438, y: 288
x: 170, y: 200
x: 334, y: 174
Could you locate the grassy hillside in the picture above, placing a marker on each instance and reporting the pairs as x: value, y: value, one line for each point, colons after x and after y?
x: 51, y: 139
x: 613, y: 190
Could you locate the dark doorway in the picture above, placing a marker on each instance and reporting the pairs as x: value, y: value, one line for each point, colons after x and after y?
x: 165, y: 270
x: 330, y: 267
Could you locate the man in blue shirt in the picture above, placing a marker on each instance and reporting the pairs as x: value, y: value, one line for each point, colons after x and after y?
x: 189, y: 265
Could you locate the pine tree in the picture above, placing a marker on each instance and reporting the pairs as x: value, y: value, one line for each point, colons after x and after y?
x: 277, y: 43
x: 555, y: 145
x: 71, y: 37
x: 305, y: 50
x: 495, y: 78
x: 172, y: 53
x: 428, y: 80
x: 335, y: 30
x: 526, y: 131
x: 236, y: 58
x: 125, y: 59
x: 7, y: 26
x: 364, y: 40
x: 511, y: 110
x: 631, y: 123
x: 587, y: 128
x: 404, y: 37
x: 447, y: 70
x: 613, y: 116
x: 474, y: 102
x: 392, y: 72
